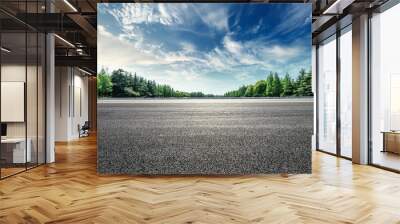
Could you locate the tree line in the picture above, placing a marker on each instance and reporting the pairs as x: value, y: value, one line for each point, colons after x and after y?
x: 121, y: 83
x: 274, y: 86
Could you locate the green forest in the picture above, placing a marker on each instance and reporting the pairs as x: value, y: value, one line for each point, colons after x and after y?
x: 274, y: 86
x: 121, y: 83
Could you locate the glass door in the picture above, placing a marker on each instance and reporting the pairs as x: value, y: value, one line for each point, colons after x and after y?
x: 327, y: 95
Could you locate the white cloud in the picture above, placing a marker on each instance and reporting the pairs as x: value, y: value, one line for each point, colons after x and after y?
x: 119, y: 52
x: 243, y: 76
x: 280, y: 53
x: 216, y: 17
x: 232, y: 46
x: 188, y: 47
x: 171, y: 14
x: 138, y: 13
x: 125, y: 52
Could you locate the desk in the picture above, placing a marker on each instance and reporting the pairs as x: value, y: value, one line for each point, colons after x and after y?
x: 18, y: 149
x: 391, y: 141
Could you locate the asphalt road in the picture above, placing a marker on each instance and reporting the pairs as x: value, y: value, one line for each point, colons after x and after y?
x: 204, y: 136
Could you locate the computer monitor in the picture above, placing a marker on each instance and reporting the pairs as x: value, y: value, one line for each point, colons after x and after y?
x: 3, y: 129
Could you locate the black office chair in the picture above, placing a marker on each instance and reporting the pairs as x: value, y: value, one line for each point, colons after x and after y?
x: 84, y: 130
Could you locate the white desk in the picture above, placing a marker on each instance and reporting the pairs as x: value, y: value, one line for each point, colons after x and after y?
x: 19, y: 154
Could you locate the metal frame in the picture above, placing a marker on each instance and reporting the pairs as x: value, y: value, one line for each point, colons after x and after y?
x: 0, y: 88
x: 338, y: 76
x: 369, y: 90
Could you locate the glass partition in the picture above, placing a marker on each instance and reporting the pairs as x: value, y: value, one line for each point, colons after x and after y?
x: 41, y: 97
x: 327, y: 95
x: 22, y: 77
x: 346, y: 92
x: 13, y: 94
x: 31, y: 99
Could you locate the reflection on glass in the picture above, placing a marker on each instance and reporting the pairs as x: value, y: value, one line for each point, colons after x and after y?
x: 385, y: 84
x: 22, y: 91
x: 41, y: 99
x: 346, y: 93
x: 14, y: 153
x: 31, y: 99
x: 327, y: 96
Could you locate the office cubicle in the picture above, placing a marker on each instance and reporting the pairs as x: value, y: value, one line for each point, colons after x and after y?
x: 22, y: 77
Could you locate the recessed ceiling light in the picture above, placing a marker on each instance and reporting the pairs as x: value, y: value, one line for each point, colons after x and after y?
x: 64, y: 40
x: 86, y: 72
x: 337, y: 7
x: 5, y: 50
x: 70, y: 5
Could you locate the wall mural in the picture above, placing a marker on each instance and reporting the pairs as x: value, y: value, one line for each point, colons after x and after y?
x: 204, y: 89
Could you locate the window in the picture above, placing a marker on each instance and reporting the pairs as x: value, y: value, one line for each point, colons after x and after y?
x: 385, y: 89
x: 346, y: 92
x: 327, y: 95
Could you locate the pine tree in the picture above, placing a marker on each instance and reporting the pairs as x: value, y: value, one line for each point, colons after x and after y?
x: 259, y: 88
x: 242, y: 90
x: 269, y: 85
x: 287, y: 86
x: 135, y: 82
x: 104, y: 84
x: 249, y: 91
x: 276, y: 86
x: 119, y: 80
x: 300, y: 83
x: 308, y: 84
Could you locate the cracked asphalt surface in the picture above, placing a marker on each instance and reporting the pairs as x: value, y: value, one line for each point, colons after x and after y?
x: 204, y: 136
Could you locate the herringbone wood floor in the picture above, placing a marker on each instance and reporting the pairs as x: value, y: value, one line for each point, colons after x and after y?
x: 70, y: 191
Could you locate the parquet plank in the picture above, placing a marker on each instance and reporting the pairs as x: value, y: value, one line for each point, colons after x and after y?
x: 70, y: 191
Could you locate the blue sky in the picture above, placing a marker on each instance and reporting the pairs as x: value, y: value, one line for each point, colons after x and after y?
x: 213, y: 48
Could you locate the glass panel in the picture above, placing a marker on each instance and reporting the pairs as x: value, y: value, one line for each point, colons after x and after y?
x: 31, y: 98
x: 327, y: 96
x: 385, y: 84
x: 23, y: 90
x: 13, y: 86
x: 346, y: 93
x: 41, y: 99
x: 32, y: 88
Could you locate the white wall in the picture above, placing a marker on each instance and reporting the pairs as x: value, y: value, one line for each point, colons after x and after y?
x: 62, y: 82
x: 70, y: 83
x: 33, y: 126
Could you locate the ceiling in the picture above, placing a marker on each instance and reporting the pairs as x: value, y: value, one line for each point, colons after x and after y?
x: 75, y: 22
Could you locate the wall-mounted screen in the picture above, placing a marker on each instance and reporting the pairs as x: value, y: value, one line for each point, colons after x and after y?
x: 12, y: 101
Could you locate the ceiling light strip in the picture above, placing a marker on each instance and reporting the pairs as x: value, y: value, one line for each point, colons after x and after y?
x: 70, y: 5
x: 5, y: 50
x: 337, y: 7
x: 84, y: 71
x: 64, y: 40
